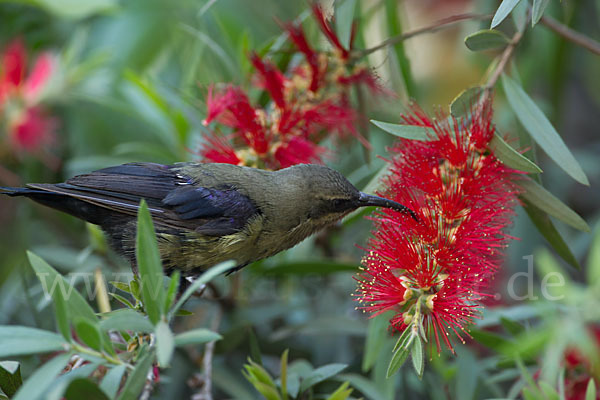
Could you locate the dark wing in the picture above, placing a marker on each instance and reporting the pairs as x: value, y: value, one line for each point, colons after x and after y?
x: 171, y: 197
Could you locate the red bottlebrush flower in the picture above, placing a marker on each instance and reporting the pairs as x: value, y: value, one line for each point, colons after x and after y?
x: 328, y: 31
x: 312, y: 58
x: 297, y: 150
x: 219, y: 151
x: 232, y: 108
x: 464, y: 198
x: 272, y: 79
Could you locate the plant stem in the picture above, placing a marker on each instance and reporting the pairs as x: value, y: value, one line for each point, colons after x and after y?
x: 504, y: 58
x: 113, y: 360
x: 441, y: 24
x: 209, y: 349
x: 571, y: 35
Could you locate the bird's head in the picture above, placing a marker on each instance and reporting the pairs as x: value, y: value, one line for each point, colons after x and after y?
x: 331, y: 196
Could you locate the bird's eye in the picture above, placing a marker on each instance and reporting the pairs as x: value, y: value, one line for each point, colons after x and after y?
x: 338, y: 203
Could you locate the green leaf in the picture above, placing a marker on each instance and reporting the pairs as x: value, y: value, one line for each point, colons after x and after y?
x: 590, y: 392
x: 417, y: 356
x: 320, y: 374
x: 465, y: 100
x: 137, y: 378
x: 269, y: 392
x: 486, y: 39
x: 376, y: 337
x: 165, y: 344
x: 196, y: 336
x: 256, y: 374
x: 10, y: 377
x: 342, y: 392
x: 206, y: 277
x: 546, y: 201
x: 401, y: 351
x: 397, y: 361
x: 537, y: 10
x: 510, y: 157
x: 406, y: 131
x: 502, y: 12
x: 344, y: 20
x: 489, y: 339
x: 593, y: 265
x: 545, y: 226
x: 126, y: 320
x: 513, y: 327
x: 89, y: 333
x: 19, y: 340
x: 76, y: 304
x: 84, y: 388
x: 172, y: 290
x: 42, y: 378
x: 283, y: 374
x: 122, y: 300
x: 149, y: 265
x: 541, y: 130
x: 112, y: 381
x: 61, y: 313
x: 393, y: 14
x: 74, y: 9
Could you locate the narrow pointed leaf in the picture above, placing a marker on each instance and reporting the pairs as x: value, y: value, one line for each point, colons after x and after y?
x: 406, y: 131
x: 590, y: 393
x: 320, y: 374
x: 510, y: 157
x: 127, y: 320
x: 172, y: 290
x: 52, y: 281
x: 502, y: 12
x: 112, y: 381
x: 546, y: 227
x: 486, y: 39
x: 149, y: 265
x: 537, y: 10
x: 541, y: 130
x: 39, y: 382
x: 465, y: 100
x: 546, y: 201
x: 89, y: 333
x: 196, y: 336
x: 397, y: 361
x: 417, y: 356
x: 283, y: 374
x: 20, y: 340
x: 165, y: 344
x: 341, y: 393
x: 10, y: 377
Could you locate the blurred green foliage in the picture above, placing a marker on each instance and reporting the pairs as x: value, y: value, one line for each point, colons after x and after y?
x: 131, y: 84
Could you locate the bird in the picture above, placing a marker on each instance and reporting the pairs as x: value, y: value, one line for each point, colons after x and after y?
x: 207, y: 213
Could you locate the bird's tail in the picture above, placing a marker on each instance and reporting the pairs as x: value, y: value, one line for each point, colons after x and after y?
x: 19, y: 191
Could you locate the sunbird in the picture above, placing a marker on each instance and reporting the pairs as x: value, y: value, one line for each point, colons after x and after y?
x: 205, y: 214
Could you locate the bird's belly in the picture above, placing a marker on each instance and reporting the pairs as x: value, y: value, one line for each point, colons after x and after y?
x: 193, y: 252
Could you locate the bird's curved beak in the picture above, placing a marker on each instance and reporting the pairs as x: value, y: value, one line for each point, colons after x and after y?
x: 366, y: 200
